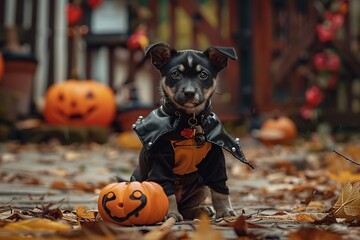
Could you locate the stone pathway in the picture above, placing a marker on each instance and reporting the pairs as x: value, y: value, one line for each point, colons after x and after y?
x: 35, y: 174
x: 32, y: 175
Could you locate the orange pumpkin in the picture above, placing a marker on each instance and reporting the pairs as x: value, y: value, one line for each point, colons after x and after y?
x: 133, y: 203
x: 277, y: 130
x: 75, y: 102
x: 1, y: 66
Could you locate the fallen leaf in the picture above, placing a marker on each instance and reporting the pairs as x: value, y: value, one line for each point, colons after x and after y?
x: 86, y: 187
x: 348, y: 204
x: 315, y: 206
x: 205, y: 231
x: 344, y: 176
x: 240, y: 226
x: 83, y: 212
x: 36, y: 224
x: 51, y: 210
x: 58, y: 185
x: 32, y: 181
x: 303, y: 217
x: 160, y: 232
x: 293, y: 217
x: 100, y: 230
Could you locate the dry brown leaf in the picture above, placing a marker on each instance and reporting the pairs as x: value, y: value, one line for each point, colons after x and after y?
x: 315, y: 206
x: 293, y: 217
x: 100, y: 230
x: 86, y: 187
x: 319, y: 217
x: 32, y: 181
x: 303, y: 217
x: 160, y: 232
x: 348, y: 204
x: 240, y: 226
x: 205, y: 231
x: 58, y: 185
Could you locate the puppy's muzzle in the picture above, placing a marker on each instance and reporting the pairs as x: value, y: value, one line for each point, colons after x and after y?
x: 189, y: 94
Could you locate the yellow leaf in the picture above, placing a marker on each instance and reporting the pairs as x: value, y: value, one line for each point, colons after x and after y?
x: 344, y: 176
x: 37, y: 224
x: 205, y: 231
x: 303, y: 217
x: 84, y: 213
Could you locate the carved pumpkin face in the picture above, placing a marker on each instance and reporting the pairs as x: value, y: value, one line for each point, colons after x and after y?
x: 133, y: 203
x: 75, y: 102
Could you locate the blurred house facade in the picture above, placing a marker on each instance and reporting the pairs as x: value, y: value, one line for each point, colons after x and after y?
x: 276, y: 41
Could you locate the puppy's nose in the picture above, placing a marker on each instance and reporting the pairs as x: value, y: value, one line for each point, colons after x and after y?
x: 189, y: 94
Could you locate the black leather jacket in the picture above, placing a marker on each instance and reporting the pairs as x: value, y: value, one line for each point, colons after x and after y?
x: 167, y: 119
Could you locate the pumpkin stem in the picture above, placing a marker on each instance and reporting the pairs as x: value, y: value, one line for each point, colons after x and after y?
x: 132, y: 179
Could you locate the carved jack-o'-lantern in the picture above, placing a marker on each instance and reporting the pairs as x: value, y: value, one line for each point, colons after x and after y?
x: 75, y: 102
x: 133, y: 203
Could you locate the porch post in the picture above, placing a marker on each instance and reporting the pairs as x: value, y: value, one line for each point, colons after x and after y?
x: 262, y: 45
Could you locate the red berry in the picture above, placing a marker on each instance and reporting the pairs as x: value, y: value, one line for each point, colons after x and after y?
x: 314, y: 96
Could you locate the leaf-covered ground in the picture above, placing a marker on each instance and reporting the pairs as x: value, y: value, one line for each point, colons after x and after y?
x: 300, y: 191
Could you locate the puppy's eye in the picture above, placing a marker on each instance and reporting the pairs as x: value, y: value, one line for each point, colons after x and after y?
x: 175, y: 74
x: 203, y: 75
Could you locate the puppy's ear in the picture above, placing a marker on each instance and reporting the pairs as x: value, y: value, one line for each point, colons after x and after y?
x: 160, y: 53
x: 219, y: 55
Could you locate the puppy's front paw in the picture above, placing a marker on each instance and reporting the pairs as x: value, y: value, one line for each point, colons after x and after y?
x: 222, y: 205
x: 173, y: 209
x: 176, y: 215
x: 225, y: 213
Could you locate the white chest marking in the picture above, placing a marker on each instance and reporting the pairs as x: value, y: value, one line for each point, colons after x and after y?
x: 190, y: 60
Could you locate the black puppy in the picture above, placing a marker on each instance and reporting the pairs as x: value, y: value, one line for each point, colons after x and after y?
x: 183, y: 139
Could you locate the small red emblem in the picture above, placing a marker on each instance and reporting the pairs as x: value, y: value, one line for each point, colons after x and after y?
x: 187, y: 133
